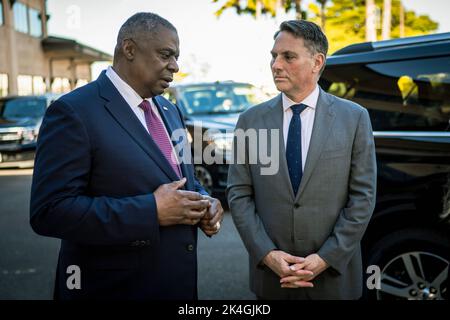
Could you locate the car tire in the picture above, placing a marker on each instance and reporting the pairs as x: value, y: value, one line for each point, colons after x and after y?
x: 410, y: 261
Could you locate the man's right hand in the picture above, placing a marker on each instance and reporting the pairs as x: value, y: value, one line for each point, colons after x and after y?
x: 279, y: 261
x: 179, y: 206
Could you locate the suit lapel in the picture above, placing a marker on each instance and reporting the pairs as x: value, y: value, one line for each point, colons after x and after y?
x: 273, y: 119
x: 169, y: 123
x: 323, y: 122
x: 121, y: 112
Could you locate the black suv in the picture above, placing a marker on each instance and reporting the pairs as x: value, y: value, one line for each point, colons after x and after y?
x: 405, y: 85
x: 20, y: 120
x: 213, y: 108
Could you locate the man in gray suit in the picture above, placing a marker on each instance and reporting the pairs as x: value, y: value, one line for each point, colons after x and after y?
x: 302, y: 226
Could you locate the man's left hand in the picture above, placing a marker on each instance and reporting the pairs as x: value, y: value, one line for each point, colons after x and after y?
x: 313, y: 263
x: 210, y: 223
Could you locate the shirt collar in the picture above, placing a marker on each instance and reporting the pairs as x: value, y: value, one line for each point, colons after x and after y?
x: 127, y: 92
x: 310, y: 100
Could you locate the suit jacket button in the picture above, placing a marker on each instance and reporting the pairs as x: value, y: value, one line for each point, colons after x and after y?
x: 296, y: 206
x: 190, y: 247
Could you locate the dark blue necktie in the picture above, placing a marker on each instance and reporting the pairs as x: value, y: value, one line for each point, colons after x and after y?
x: 294, y: 147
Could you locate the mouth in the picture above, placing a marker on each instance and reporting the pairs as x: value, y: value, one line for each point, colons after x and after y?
x: 277, y: 78
x: 166, y: 81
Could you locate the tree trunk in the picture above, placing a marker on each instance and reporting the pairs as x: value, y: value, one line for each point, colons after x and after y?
x: 371, y: 31
x: 298, y: 9
x: 386, y: 34
x: 322, y: 14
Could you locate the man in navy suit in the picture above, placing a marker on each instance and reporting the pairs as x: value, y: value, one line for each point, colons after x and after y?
x: 106, y: 180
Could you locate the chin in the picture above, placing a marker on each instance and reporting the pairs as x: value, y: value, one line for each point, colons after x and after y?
x: 281, y: 87
x: 157, y: 91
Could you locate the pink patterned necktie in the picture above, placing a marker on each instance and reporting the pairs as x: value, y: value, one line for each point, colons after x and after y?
x: 158, y: 133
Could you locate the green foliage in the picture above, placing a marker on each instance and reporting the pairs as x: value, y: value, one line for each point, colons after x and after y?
x: 344, y: 19
x: 345, y: 22
x: 250, y: 6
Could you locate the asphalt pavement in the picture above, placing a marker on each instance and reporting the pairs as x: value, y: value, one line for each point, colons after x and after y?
x: 28, y: 261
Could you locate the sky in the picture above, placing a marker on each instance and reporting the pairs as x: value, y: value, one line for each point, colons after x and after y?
x: 231, y: 47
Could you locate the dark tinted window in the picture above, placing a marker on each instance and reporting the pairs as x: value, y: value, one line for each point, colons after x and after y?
x: 412, y: 95
x: 22, y: 108
x: 1, y: 13
x: 206, y: 99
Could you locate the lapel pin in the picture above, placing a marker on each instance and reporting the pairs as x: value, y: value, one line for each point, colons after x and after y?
x: 165, y: 108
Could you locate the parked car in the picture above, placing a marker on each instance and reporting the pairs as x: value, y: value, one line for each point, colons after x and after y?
x: 405, y: 85
x: 213, y: 108
x: 20, y: 120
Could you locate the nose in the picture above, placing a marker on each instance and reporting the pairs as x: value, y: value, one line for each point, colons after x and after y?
x: 275, y: 64
x: 173, y: 65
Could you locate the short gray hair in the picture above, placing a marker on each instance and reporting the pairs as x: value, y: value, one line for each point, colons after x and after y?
x: 313, y: 37
x: 142, y: 23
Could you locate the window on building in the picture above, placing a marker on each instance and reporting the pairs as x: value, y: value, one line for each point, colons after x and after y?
x: 20, y: 17
x: 3, y: 84
x: 60, y: 85
x: 39, y: 86
x: 24, y: 85
x: 1, y: 13
x: 35, y: 23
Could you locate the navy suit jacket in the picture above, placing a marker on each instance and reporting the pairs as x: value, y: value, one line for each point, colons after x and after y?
x: 95, y: 173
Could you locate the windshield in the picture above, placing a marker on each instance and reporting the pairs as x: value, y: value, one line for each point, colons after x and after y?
x: 22, y: 108
x: 220, y: 98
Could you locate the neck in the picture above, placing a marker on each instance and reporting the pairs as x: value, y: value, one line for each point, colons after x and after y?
x: 300, y: 96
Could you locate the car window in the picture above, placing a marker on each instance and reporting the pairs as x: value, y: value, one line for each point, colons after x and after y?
x: 219, y: 98
x: 412, y: 95
x: 23, y: 108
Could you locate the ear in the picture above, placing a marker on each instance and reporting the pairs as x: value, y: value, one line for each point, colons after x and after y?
x: 128, y: 49
x: 319, y: 60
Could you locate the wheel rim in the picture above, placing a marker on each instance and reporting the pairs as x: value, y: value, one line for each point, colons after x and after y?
x: 204, y: 177
x: 414, y: 276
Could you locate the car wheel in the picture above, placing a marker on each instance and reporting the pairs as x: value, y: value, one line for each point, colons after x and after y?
x: 414, y: 265
x: 204, y: 177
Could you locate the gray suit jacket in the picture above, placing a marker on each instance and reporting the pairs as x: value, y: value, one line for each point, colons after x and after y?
x: 329, y: 213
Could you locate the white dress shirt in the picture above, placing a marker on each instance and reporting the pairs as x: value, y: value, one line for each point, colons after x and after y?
x: 134, y: 100
x: 307, y: 118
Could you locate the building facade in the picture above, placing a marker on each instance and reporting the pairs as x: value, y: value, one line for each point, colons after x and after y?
x: 31, y: 62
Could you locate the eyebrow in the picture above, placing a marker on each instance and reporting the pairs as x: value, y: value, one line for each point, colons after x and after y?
x: 170, y: 51
x: 284, y: 52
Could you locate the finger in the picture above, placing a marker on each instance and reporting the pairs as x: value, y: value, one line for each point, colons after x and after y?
x: 304, y: 272
x: 217, y: 217
x: 296, y: 277
x: 195, y: 214
x: 199, y: 204
x: 177, y: 184
x: 191, y: 195
x: 192, y: 222
x: 293, y: 278
x: 298, y: 284
x: 293, y: 259
x: 298, y: 266
x: 208, y: 227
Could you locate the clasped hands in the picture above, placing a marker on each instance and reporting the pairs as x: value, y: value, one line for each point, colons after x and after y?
x: 295, y: 272
x: 175, y: 206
